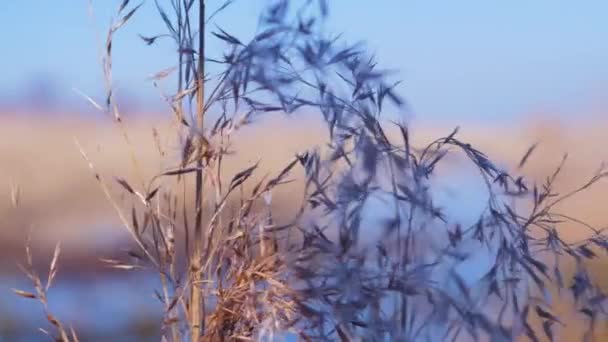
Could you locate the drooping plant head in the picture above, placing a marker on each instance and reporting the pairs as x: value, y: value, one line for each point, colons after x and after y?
x: 290, y: 64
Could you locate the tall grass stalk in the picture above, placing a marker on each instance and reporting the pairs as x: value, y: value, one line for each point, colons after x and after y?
x: 196, y: 300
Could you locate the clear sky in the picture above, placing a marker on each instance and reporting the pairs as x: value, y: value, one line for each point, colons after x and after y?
x: 460, y: 60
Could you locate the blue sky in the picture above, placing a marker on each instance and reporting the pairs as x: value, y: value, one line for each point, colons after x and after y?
x: 460, y: 60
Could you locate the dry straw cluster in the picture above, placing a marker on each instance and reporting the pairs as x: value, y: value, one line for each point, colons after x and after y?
x: 230, y: 271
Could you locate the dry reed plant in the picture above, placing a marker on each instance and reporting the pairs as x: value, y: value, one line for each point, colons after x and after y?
x: 42, y: 288
x: 229, y: 271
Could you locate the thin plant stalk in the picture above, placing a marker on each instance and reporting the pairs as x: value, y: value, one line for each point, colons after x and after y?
x: 196, y: 300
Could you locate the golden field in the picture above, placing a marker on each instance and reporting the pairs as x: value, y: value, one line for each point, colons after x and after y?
x: 59, y: 199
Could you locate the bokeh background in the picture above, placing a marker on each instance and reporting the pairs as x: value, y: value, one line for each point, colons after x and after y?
x: 510, y: 74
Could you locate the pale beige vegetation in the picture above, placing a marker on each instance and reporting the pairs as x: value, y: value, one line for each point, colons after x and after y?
x: 60, y: 199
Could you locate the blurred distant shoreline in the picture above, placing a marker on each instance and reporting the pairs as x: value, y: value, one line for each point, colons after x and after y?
x: 60, y: 200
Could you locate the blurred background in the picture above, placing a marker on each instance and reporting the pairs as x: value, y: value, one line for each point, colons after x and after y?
x: 509, y: 74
